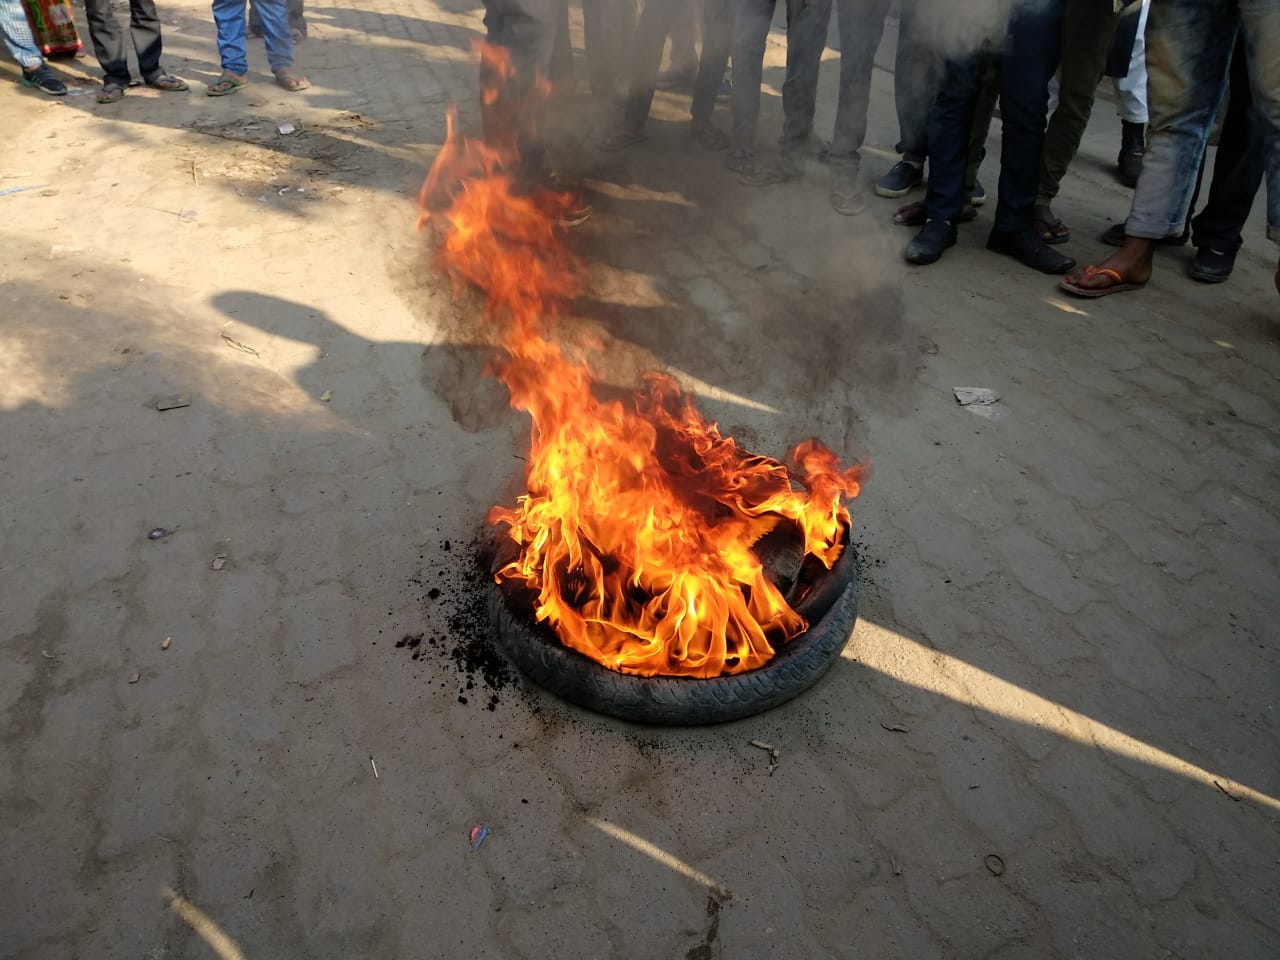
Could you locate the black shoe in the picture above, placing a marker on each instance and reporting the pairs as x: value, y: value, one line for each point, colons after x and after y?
x: 1030, y: 250
x: 1212, y: 266
x: 44, y: 80
x: 1132, y: 148
x: 901, y: 179
x: 979, y: 195
x: 928, y: 245
x: 1115, y: 237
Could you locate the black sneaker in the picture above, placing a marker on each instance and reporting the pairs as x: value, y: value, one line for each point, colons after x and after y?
x: 901, y: 179
x: 928, y: 245
x: 1212, y: 266
x: 1030, y: 250
x: 979, y: 195
x: 44, y: 80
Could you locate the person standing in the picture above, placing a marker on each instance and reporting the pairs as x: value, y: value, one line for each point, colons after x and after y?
x: 646, y: 58
x: 1026, y: 58
x: 108, y: 45
x: 229, y: 16
x: 807, y: 22
x: 22, y: 45
x: 1189, y: 52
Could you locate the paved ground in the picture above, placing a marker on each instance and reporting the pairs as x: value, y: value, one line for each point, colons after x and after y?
x: 1067, y: 656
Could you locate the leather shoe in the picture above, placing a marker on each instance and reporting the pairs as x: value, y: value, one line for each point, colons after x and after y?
x: 927, y: 245
x: 1029, y: 249
x: 1212, y: 266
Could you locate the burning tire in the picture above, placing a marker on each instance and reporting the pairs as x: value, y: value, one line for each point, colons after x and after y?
x: 830, y: 607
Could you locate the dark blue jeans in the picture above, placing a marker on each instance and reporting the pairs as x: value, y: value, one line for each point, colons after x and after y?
x: 1025, y: 61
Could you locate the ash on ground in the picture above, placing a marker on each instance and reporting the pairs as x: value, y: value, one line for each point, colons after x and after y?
x: 456, y: 634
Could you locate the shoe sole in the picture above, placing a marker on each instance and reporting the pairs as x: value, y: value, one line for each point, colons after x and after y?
x: 895, y: 194
x: 1207, y: 277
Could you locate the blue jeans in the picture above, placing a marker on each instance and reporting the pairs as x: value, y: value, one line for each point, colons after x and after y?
x: 1189, y: 44
x: 1026, y: 61
x: 229, y: 16
x: 17, y: 35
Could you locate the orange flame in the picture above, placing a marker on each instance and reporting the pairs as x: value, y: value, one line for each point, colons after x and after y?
x: 636, y: 534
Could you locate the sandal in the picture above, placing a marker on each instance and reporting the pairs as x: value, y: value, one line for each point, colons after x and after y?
x: 1117, y: 284
x: 708, y: 135
x: 620, y: 139
x: 168, y: 83
x: 225, y: 84
x: 111, y: 92
x: 291, y: 81
x: 1051, y: 231
x: 915, y: 214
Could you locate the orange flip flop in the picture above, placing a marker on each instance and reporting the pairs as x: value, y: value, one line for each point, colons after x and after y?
x: 1118, y: 284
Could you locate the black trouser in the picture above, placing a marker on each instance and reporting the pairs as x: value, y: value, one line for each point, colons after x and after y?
x: 646, y: 58
x: 1237, y: 170
x: 108, y: 39
x: 297, y: 22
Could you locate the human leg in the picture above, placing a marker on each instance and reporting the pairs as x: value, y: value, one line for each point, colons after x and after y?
x: 107, y: 37
x: 950, y: 123
x: 1260, y: 27
x: 750, y: 34
x: 860, y: 24
x: 144, y: 30
x: 276, y: 35
x: 717, y: 33
x: 1238, y: 170
x: 1088, y: 29
x: 1189, y: 44
x: 646, y: 61
x: 1027, y: 63
x: 807, y: 24
x: 22, y: 45
x: 229, y: 18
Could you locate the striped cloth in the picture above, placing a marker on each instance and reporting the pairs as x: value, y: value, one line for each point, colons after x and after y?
x: 17, y: 34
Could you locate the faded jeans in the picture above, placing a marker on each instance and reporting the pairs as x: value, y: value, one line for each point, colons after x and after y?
x: 1189, y: 44
x: 229, y: 15
x: 807, y: 22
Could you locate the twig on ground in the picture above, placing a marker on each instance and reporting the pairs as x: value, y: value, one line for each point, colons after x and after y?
x: 233, y: 342
x: 1233, y: 796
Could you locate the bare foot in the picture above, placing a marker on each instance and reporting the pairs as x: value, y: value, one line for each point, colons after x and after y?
x: 1132, y: 262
